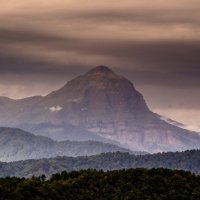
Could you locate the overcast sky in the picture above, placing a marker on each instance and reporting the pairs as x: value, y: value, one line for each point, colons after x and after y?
x: 156, y: 44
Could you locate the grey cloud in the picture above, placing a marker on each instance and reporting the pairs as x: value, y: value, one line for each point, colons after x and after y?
x: 184, y: 14
x: 165, y: 79
x: 103, y: 46
x: 154, y: 44
x: 12, y: 64
x: 145, y: 16
x: 181, y: 55
x: 151, y: 62
x: 24, y: 36
x: 174, y: 63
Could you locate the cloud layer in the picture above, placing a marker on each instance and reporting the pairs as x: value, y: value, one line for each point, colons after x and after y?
x: 44, y: 43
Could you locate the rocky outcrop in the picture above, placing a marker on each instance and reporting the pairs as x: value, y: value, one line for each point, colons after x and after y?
x: 104, y: 105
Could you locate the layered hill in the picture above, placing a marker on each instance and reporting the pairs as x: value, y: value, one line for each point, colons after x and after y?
x: 188, y: 161
x: 16, y: 144
x: 99, y: 105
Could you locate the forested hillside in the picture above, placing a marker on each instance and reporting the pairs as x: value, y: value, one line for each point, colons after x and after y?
x: 133, y: 184
x: 188, y: 161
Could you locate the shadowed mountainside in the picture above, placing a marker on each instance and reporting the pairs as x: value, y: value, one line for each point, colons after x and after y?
x: 99, y: 105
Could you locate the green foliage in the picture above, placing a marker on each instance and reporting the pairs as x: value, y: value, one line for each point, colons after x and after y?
x: 137, y: 184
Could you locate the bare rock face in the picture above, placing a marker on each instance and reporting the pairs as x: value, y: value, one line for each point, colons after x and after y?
x: 99, y: 97
x: 102, y: 104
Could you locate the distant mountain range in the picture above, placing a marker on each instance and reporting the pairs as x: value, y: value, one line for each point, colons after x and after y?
x: 188, y: 161
x: 16, y: 144
x: 99, y: 105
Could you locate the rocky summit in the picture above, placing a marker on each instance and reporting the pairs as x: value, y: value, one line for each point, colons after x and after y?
x: 98, y: 105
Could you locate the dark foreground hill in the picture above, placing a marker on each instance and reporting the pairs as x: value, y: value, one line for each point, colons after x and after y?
x: 188, y: 161
x: 16, y: 144
x: 138, y: 184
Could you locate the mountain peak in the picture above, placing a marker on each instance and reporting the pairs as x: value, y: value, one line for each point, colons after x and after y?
x: 100, y: 70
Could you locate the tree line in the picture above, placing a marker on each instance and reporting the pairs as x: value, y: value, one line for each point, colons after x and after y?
x: 130, y: 184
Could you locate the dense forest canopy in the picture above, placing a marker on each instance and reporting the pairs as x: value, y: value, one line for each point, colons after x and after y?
x: 137, y: 184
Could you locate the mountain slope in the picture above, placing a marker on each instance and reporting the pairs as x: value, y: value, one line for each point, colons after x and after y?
x: 16, y: 144
x: 99, y: 103
x: 188, y: 161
